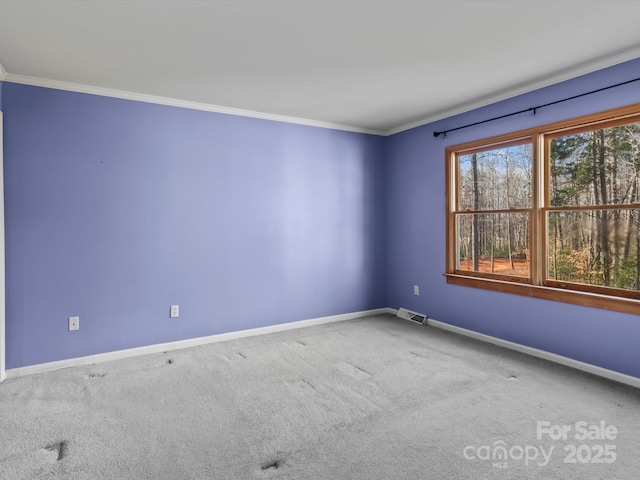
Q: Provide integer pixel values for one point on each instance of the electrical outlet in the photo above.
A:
(74, 323)
(416, 290)
(175, 311)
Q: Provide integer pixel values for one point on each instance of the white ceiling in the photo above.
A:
(378, 66)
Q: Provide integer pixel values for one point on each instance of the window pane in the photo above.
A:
(496, 179)
(596, 247)
(494, 243)
(600, 167)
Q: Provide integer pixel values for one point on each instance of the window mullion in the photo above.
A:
(538, 227)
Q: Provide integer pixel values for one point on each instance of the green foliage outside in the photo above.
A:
(593, 220)
(597, 246)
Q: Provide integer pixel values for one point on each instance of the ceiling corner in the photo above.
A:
(584, 68)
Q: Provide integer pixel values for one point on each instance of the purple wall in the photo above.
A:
(416, 238)
(117, 209)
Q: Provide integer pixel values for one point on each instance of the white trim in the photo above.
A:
(583, 68)
(3, 374)
(180, 344)
(534, 352)
(173, 102)
(193, 342)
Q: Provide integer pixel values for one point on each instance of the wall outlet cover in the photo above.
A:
(74, 323)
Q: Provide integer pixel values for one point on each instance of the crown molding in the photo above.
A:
(174, 102)
(590, 66)
(583, 68)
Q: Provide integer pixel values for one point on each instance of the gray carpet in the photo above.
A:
(374, 398)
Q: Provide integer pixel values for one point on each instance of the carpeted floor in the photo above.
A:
(374, 398)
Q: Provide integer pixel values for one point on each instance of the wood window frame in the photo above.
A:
(537, 285)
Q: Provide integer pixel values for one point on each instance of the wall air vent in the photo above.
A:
(414, 317)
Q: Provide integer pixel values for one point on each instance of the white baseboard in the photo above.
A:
(192, 342)
(534, 352)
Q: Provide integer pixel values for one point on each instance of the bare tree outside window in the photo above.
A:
(495, 196)
(593, 219)
(550, 212)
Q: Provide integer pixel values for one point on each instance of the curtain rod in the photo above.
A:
(532, 109)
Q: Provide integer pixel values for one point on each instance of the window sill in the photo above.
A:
(607, 302)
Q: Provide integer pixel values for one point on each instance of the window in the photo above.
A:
(552, 212)
(494, 210)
